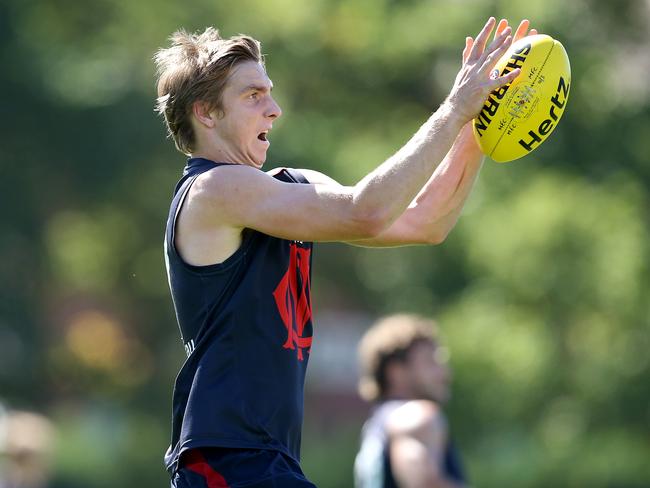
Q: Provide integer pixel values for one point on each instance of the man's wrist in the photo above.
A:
(451, 116)
(467, 141)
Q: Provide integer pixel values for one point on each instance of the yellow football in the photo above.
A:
(518, 117)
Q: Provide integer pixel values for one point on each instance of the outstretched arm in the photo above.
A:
(436, 209)
(237, 197)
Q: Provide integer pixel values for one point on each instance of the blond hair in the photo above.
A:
(389, 339)
(196, 68)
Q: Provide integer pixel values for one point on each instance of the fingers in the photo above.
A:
(496, 48)
(503, 23)
(469, 42)
(504, 80)
(498, 41)
(481, 39)
(522, 30)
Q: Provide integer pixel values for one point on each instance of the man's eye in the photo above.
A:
(254, 96)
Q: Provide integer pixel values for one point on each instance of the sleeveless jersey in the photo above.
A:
(247, 330)
(372, 465)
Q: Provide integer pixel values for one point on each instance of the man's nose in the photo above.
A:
(274, 110)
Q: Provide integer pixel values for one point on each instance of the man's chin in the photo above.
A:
(259, 161)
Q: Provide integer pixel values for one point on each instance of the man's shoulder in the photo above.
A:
(227, 174)
(224, 179)
(241, 173)
(415, 416)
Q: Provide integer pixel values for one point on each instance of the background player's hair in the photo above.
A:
(389, 339)
(196, 68)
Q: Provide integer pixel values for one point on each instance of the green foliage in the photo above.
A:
(541, 290)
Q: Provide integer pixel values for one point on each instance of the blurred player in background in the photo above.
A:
(406, 442)
(26, 449)
(238, 245)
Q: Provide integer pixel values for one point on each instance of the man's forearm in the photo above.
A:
(435, 210)
(441, 201)
(472, 159)
(390, 188)
(382, 196)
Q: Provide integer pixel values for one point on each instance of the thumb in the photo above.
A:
(499, 81)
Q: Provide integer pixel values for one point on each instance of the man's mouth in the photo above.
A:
(262, 136)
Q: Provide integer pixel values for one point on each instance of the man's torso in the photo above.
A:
(246, 325)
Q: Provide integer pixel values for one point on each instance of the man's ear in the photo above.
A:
(204, 114)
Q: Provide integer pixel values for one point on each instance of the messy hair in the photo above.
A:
(389, 339)
(196, 67)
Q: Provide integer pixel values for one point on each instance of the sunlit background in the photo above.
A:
(541, 291)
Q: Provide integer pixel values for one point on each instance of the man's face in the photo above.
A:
(428, 372)
(248, 115)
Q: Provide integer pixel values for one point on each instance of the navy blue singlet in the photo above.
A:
(247, 329)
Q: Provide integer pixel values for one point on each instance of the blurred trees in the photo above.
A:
(541, 290)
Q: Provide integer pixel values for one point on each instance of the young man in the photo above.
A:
(405, 443)
(238, 245)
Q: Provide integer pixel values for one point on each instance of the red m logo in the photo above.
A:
(292, 297)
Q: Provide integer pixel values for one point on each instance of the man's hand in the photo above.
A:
(473, 83)
(466, 135)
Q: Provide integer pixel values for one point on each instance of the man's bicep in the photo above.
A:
(411, 463)
(417, 435)
(245, 197)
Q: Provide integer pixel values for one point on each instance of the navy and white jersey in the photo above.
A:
(246, 327)
(372, 468)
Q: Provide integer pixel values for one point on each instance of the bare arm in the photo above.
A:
(227, 199)
(243, 197)
(418, 440)
(436, 209)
